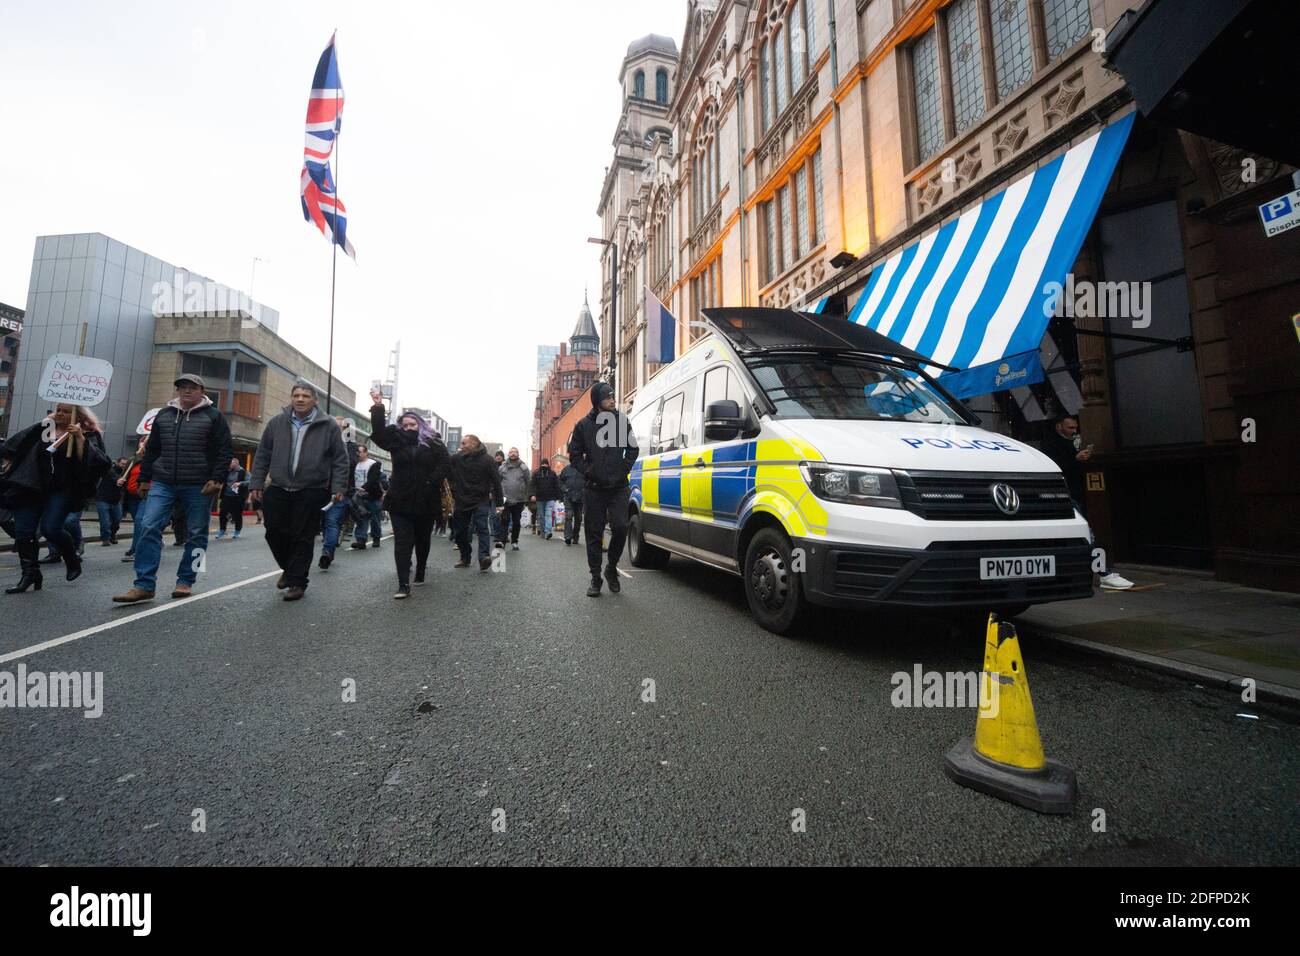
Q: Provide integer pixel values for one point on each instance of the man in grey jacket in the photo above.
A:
(514, 487)
(303, 455)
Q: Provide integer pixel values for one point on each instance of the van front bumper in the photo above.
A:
(946, 574)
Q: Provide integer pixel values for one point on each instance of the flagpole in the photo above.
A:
(334, 265)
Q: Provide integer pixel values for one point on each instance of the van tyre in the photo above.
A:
(641, 554)
(775, 596)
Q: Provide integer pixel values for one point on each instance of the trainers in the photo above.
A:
(593, 589)
(375, 545)
(484, 563)
(106, 544)
(358, 546)
(127, 558)
(1115, 582)
(419, 575)
(294, 594)
(220, 535)
(235, 536)
(182, 591)
(611, 575)
(515, 546)
(133, 595)
(325, 561)
(403, 591)
(462, 563)
(282, 583)
(548, 536)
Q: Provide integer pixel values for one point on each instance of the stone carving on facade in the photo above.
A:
(1062, 101)
(930, 194)
(1226, 166)
(708, 231)
(1009, 137)
(969, 167)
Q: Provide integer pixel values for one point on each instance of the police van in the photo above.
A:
(818, 461)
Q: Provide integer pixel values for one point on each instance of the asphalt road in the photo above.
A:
(512, 699)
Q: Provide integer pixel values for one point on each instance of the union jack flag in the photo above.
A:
(320, 204)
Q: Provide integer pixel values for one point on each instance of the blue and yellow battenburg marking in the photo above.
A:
(736, 479)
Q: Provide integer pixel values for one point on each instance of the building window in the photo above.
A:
(786, 59)
(638, 85)
(706, 293)
(769, 242)
(819, 231)
(706, 166)
(791, 223)
(1012, 52)
(800, 182)
(966, 62)
(779, 78)
(929, 106)
(1004, 47)
(1065, 22)
(661, 86)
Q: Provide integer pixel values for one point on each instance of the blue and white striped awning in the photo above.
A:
(976, 290)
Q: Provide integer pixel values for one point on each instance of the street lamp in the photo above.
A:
(613, 306)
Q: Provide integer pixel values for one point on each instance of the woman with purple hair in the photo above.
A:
(413, 502)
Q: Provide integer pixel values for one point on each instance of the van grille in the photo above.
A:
(961, 496)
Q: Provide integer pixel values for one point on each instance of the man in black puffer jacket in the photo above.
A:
(476, 486)
(184, 461)
(604, 449)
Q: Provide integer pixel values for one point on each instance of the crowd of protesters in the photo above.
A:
(308, 479)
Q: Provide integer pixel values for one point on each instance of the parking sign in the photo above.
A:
(1281, 214)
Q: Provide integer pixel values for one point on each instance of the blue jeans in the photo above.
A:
(545, 515)
(333, 521)
(473, 521)
(498, 532)
(131, 505)
(110, 517)
(154, 515)
(370, 524)
(48, 518)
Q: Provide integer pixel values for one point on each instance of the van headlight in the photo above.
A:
(854, 486)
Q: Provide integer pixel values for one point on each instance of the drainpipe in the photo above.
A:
(740, 180)
(835, 109)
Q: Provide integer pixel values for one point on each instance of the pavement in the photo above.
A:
(501, 718)
(1186, 623)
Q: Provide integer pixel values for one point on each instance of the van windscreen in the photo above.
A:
(849, 387)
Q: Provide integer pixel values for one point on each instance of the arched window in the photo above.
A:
(661, 86)
(706, 165)
(638, 85)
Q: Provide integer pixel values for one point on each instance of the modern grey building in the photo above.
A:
(92, 295)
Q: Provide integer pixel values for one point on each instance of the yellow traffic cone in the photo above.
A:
(1005, 757)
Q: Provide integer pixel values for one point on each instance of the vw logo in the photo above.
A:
(1005, 497)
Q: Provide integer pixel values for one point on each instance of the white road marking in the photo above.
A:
(69, 638)
(624, 573)
(108, 626)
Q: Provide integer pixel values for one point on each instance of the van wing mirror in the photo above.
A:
(723, 420)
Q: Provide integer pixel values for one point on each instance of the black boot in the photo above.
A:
(28, 554)
(71, 557)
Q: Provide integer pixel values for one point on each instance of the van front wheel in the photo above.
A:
(771, 587)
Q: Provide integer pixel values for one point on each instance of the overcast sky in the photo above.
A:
(475, 138)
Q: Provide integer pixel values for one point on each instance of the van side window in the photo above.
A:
(643, 423)
(721, 383)
(670, 436)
